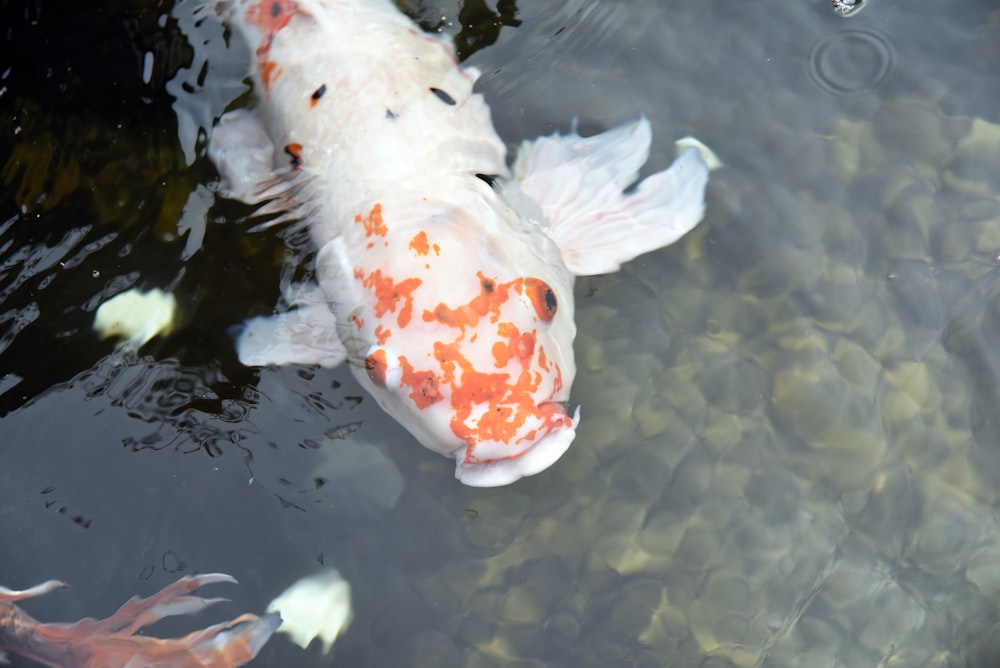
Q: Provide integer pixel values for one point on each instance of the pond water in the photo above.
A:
(789, 450)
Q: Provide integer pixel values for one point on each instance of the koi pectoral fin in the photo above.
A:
(250, 168)
(307, 335)
(244, 155)
(582, 187)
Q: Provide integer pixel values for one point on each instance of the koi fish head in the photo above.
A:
(472, 349)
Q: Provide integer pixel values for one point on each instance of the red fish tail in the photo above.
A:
(92, 643)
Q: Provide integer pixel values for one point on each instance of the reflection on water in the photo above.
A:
(788, 453)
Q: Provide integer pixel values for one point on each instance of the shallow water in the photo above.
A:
(789, 451)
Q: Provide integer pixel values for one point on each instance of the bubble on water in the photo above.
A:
(847, 8)
(852, 61)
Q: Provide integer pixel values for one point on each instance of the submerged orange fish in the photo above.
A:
(111, 643)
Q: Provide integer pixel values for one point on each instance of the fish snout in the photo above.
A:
(529, 460)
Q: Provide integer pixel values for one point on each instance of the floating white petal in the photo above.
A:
(317, 606)
(137, 316)
(709, 157)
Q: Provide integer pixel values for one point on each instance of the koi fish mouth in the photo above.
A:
(531, 460)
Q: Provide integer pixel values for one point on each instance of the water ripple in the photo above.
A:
(852, 61)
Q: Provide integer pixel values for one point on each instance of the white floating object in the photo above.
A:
(317, 606)
(707, 155)
(137, 316)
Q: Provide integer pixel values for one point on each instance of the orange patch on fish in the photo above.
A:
(520, 346)
(388, 293)
(419, 243)
(488, 406)
(508, 405)
(491, 298)
(487, 302)
(423, 384)
(269, 72)
(270, 17)
(544, 363)
(494, 403)
(373, 223)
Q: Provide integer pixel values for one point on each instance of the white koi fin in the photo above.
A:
(245, 157)
(306, 335)
(243, 153)
(578, 181)
(316, 606)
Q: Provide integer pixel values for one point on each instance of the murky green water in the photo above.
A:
(789, 453)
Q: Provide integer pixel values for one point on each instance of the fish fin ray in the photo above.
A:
(243, 153)
(92, 643)
(578, 184)
(31, 592)
(245, 157)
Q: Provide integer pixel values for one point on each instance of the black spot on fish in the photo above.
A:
(319, 92)
(443, 96)
(389, 115)
(276, 9)
(488, 286)
(486, 178)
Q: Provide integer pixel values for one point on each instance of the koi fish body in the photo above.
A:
(450, 292)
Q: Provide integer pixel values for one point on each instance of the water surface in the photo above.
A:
(789, 451)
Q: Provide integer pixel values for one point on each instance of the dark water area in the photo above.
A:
(789, 447)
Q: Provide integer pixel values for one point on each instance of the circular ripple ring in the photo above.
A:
(852, 62)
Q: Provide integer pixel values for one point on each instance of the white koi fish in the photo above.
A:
(451, 293)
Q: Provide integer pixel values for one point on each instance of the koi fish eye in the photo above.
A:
(541, 297)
